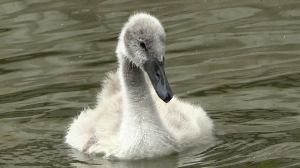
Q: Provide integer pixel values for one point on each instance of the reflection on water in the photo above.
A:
(239, 59)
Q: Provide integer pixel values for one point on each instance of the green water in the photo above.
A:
(239, 59)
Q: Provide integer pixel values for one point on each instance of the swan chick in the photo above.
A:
(136, 115)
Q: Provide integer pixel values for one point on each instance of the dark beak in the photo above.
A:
(156, 73)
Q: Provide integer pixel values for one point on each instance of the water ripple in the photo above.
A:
(238, 59)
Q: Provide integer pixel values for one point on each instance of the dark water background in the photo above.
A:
(239, 59)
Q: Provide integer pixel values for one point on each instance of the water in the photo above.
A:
(239, 59)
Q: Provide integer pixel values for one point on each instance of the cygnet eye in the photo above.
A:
(143, 45)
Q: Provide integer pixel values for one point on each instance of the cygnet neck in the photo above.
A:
(138, 106)
(134, 81)
(141, 129)
(136, 92)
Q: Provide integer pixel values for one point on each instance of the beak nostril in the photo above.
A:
(157, 75)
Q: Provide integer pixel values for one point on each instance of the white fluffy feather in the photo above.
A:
(119, 127)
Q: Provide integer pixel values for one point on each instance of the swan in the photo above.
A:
(136, 115)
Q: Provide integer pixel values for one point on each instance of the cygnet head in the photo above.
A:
(142, 41)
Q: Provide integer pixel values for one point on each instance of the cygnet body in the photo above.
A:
(136, 115)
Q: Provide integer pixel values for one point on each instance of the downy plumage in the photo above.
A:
(136, 115)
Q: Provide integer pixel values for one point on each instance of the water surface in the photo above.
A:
(239, 59)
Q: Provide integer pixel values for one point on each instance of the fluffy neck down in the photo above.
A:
(142, 133)
(139, 109)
